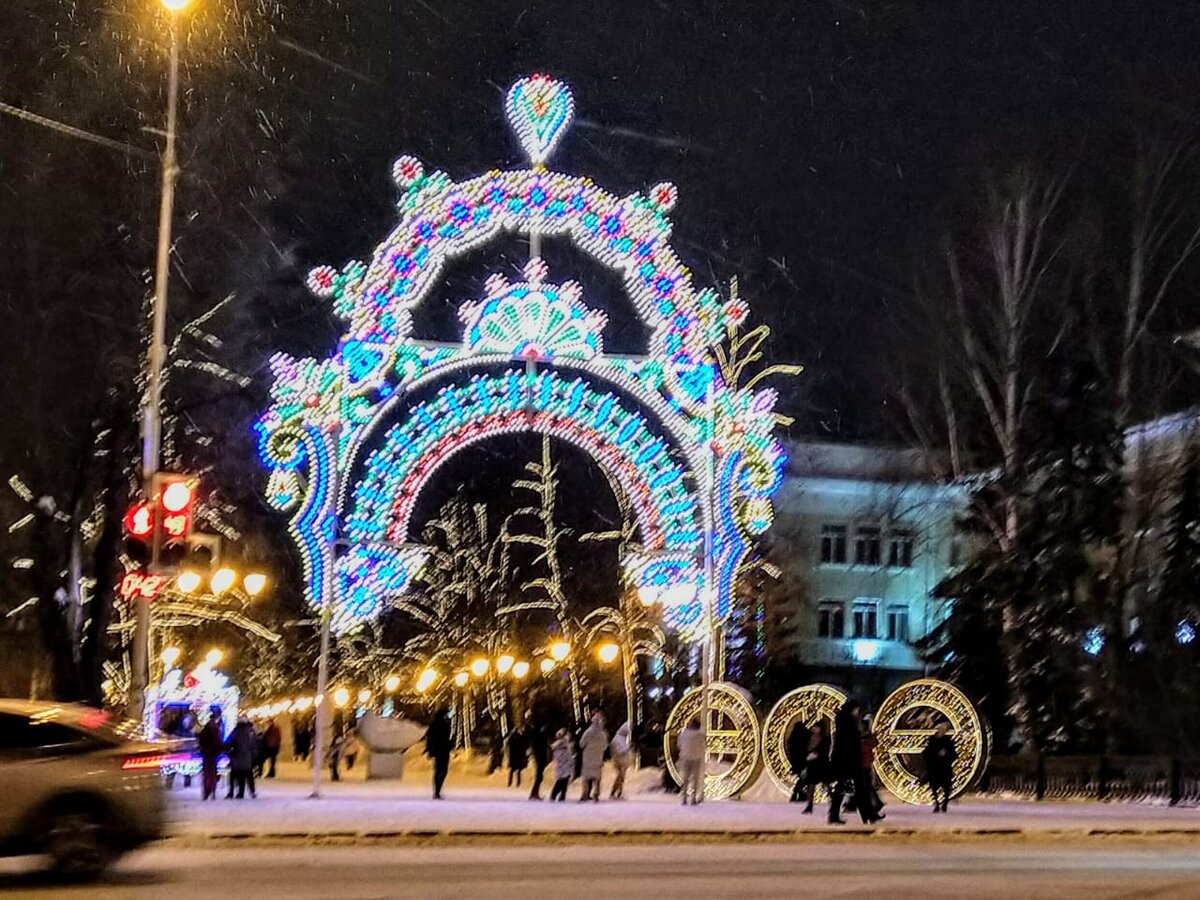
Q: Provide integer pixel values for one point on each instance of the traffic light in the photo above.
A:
(140, 527)
(173, 497)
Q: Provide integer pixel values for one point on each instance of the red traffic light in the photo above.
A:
(139, 521)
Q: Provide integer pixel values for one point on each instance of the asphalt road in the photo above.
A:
(852, 868)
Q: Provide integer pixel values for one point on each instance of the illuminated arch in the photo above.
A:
(334, 416)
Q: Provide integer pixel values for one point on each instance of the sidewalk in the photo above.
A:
(479, 806)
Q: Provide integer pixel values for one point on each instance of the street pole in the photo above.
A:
(151, 411)
(708, 654)
(321, 715)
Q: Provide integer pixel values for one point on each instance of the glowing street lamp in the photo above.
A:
(213, 657)
(504, 662)
(428, 679)
(364, 696)
(176, 5)
(461, 679)
(223, 580)
(187, 582)
(392, 684)
(560, 650)
(254, 583)
(341, 697)
(479, 667)
(547, 666)
(608, 652)
(302, 704)
(170, 656)
(520, 669)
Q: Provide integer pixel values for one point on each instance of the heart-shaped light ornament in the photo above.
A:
(540, 110)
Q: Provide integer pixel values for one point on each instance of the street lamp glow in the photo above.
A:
(187, 581)
(560, 650)
(461, 679)
(504, 662)
(213, 657)
(479, 667)
(392, 684)
(364, 696)
(520, 669)
(608, 652)
(547, 666)
(223, 580)
(176, 5)
(302, 704)
(170, 656)
(428, 679)
(341, 697)
(254, 583)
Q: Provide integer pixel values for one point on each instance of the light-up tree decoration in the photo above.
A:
(350, 449)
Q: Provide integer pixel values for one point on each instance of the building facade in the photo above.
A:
(862, 537)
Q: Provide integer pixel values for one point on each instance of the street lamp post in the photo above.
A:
(151, 412)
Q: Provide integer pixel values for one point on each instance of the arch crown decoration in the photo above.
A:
(644, 419)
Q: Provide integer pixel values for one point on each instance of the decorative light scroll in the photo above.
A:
(804, 706)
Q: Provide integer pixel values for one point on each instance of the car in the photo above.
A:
(79, 786)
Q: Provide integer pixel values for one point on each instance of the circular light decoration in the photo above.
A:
(733, 738)
(804, 706)
(349, 451)
(906, 720)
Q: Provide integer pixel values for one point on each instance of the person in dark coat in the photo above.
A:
(438, 743)
(211, 744)
(518, 755)
(303, 738)
(539, 748)
(241, 747)
(816, 765)
(846, 768)
(939, 755)
(796, 749)
(272, 739)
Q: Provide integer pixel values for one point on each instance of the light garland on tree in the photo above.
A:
(643, 420)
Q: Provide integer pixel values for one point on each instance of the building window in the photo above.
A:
(831, 619)
(897, 623)
(833, 543)
(955, 556)
(866, 545)
(900, 549)
(865, 618)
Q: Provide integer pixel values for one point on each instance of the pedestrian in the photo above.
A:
(621, 751)
(518, 755)
(211, 744)
(693, 748)
(563, 752)
(333, 756)
(816, 764)
(939, 755)
(438, 743)
(303, 740)
(592, 746)
(272, 740)
(846, 766)
(869, 743)
(796, 751)
(351, 747)
(240, 748)
(539, 748)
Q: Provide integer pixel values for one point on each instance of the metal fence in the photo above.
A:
(1127, 778)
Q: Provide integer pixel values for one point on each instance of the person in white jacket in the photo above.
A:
(621, 750)
(592, 745)
(692, 750)
(563, 753)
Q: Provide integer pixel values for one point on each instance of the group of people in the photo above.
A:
(250, 753)
(843, 763)
(579, 755)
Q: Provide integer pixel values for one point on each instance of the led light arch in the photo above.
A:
(643, 419)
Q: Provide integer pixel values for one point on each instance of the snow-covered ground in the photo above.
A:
(476, 803)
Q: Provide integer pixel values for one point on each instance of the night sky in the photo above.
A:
(820, 149)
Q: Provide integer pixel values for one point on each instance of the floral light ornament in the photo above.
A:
(353, 440)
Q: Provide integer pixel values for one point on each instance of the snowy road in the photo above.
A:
(895, 870)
